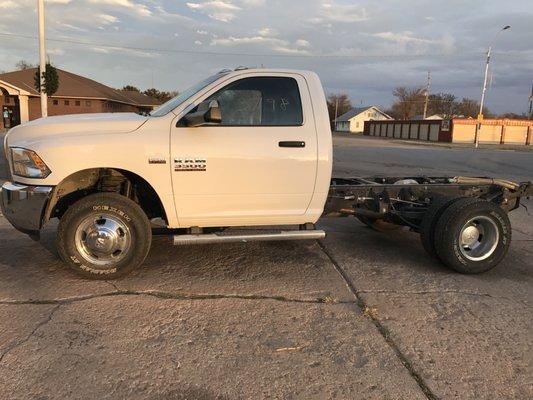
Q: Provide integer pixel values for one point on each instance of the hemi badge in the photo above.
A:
(157, 160)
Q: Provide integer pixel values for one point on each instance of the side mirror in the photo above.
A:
(207, 112)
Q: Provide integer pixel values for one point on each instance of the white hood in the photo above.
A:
(63, 125)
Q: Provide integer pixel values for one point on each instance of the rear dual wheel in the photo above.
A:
(468, 235)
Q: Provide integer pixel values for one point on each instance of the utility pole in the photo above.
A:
(336, 110)
(427, 95)
(480, 114)
(42, 58)
(530, 115)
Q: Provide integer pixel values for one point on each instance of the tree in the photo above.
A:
(408, 102)
(23, 64)
(512, 115)
(51, 80)
(340, 102)
(130, 88)
(470, 108)
(444, 104)
(159, 95)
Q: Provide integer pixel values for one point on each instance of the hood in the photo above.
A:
(85, 124)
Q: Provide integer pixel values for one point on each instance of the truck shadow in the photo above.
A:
(265, 266)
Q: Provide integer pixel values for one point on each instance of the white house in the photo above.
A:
(354, 120)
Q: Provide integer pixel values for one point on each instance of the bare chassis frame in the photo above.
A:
(405, 200)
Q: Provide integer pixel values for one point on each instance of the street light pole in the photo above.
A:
(42, 58)
(481, 103)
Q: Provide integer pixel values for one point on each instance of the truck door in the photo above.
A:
(258, 166)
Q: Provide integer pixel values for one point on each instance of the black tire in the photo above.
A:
(427, 228)
(114, 210)
(378, 225)
(491, 225)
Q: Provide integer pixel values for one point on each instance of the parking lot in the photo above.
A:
(359, 314)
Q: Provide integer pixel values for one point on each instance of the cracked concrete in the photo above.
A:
(360, 315)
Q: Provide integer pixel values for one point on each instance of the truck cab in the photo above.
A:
(249, 147)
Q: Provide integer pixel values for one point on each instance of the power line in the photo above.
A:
(216, 53)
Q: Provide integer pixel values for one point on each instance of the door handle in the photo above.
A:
(292, 144)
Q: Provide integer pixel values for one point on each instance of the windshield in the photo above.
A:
(170, 105)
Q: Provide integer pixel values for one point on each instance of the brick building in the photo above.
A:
(20, 102)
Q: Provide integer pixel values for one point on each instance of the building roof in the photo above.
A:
(76, 86)
(140, 98)
(355, 112)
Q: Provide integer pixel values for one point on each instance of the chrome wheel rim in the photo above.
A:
(479, 238)
(103, 239)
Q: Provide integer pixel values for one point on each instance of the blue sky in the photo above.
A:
(363, 48)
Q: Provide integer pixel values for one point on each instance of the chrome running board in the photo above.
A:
(181, 240)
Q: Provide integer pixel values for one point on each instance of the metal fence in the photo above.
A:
(427, 130)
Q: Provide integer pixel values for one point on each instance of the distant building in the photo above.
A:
(354, 120)
(436, 117)
(20, 102)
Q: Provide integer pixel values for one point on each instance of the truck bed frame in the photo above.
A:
(405, 200)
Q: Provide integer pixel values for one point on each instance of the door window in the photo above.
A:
(260, 101)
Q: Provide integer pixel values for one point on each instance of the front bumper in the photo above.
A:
(24, 206)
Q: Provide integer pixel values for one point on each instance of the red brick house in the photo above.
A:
(20, 102)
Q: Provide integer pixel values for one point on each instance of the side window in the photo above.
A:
(261, 101)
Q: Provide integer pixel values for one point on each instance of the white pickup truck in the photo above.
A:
(243, 148)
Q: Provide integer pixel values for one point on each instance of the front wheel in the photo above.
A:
(104, 236)
(472, 235)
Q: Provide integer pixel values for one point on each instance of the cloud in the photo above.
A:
(343, 13)
(267, 32)
(361, 47)
(8, 4)
(219, 10)
(302, 43)
(401, 37)
(55, 51)
(137, 8)
(270, 43)
(107, 19)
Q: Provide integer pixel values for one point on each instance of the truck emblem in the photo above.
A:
(190, 164)
(157, 160)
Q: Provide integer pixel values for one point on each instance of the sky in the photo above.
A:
(362, 48)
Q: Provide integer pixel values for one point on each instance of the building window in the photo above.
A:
(67, 102)
(8, 100)
(88, 103)
(78, 103)
(55, 102)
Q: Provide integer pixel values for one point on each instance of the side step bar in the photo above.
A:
(181, 240)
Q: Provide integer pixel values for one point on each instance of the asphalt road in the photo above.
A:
(357, 315)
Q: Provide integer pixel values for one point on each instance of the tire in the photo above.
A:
(430, 220)
(378, 225)
(472, 236)
(104, 236)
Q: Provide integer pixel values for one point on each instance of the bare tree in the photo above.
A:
(408, 102)
(339, 101)
(470, 108)
(23, 64)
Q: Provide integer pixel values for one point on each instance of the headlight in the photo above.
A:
(28, 164)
